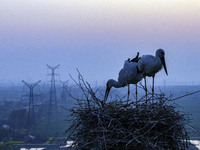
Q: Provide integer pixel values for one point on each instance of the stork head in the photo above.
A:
(109, 85)
(161, 54)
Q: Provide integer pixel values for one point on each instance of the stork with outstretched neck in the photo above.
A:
(149, 65)
(127, 75)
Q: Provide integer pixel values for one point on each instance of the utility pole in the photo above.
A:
(63, 95)
(31, 112)
(52, 100)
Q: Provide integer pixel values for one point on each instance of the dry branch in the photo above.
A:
(116, 125)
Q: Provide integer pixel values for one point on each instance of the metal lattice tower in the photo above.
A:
(52, 100)
(31, 112)
(63, 94)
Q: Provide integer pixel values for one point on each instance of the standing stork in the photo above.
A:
(149, 65)
(127, 75)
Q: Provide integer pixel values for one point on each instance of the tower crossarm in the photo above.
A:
(53, 68)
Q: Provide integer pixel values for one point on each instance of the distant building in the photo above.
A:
(5, 126)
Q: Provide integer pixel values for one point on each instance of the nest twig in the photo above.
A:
(114, 125)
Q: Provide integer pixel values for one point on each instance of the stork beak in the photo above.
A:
(107, 93)
(164, 65)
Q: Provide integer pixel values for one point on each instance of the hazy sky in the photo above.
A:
(96, 36)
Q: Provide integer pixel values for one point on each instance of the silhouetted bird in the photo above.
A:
(149, 65)
(127, 75)
(136, 59)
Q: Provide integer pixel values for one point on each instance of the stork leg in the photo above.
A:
(153, 88)
(136, 95)
(145, 88)
(128, 93)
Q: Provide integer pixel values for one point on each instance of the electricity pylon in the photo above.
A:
(31, 112)
(52, 100)
(63, 94)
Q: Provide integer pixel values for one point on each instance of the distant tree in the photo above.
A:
(4, 132)
(18, 119)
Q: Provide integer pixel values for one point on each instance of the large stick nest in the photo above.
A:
(97, 124)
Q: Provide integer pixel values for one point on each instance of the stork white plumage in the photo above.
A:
(149, 65)
(127, 75)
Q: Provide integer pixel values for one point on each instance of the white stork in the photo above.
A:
(127, 75)
(149, 65)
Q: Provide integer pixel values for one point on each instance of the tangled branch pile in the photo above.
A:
(115, 125)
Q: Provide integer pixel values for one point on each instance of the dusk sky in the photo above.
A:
(97, 36)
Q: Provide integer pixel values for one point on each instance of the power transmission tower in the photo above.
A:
(31, 112)
(52, 100)
(63, 94)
